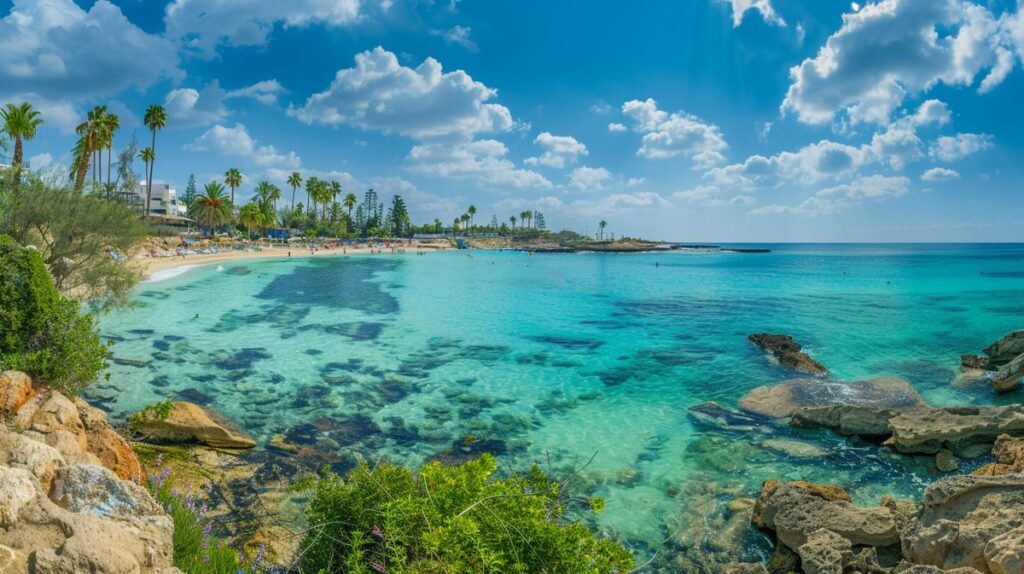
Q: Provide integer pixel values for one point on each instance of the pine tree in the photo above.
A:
(538, 219)
(397, 216)
(494, 222)
(190, 190)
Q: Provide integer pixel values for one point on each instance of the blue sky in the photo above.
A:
(690, 120)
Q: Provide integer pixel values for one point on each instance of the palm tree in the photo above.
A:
(111, 123)
(472, 212)
(294, 180)
(513, 220)
(233, 179)
(147, 155)
(349, 202)
(311, 184)
(155, 119)
(523, 217)
(601, 226)
(85, 147)
(335, 191)
(437, 225)
(20, 123)
(213, 208)
(96, 119)
(268, 193)
(250, 215)
(322, 195)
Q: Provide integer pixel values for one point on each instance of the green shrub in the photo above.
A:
(41, 332)
(449, 519)
(160, 411)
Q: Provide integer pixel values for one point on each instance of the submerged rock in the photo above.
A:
(189, 422)
(794, 448)
(787, 397)
(788, 352)
(714, 415)
(975, 362)
(970, 521)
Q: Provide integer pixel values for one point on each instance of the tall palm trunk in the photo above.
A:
(293, 198)
(149, 180)
(17, 151)
(110, 151)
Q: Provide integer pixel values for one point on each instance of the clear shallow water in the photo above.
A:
(559, 358)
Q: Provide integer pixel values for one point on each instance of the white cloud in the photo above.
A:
(202, 25)
(670, 135)
(639, 199)
(711, 195)
(952, 148)
(381, 94)
(237, 142)
(53, 51)
(939, 174)
(460, 35)
(548, 202)
(635, 181)
(893, 48)
(617, 127)
(764, 7)
(810, 164)
(841, 197)
(482, 161)
(559, 151)
(188, 107)
(589, 178)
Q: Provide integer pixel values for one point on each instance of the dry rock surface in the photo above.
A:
(189, 422)
(66, 502)
(1005, 358)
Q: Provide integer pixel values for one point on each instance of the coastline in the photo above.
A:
(155, 269)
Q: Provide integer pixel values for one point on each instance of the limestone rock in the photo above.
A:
(787, 397)
(189, 422)
(741, 568)
(43, 461)
(788, 352)
(714, 415)
(825, 552)
(1009, 453)
(16, 490)
(58, 413)
(795, 510)
(15, 391)
(95, 490)
(975, 362)
(1006, 349)
(946, 461)
(966, 431)
(847, 420)
(1008, 376)
(110, 448)
(970, 521)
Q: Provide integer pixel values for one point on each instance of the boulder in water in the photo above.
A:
(788, 352)
(1008, 376)
(787, 397)
(1009, 453)
(1006, 349)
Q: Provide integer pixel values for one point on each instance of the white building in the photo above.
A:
(164, 201)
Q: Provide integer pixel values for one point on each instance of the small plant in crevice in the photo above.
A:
(196, 549)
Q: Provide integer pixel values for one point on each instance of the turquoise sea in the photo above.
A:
(569, 361)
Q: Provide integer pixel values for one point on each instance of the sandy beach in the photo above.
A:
(160, 268)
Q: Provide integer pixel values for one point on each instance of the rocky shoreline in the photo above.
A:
(965, 524)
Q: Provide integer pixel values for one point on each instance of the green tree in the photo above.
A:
(89, 137)
(233, 179)
(601, 225)
(451, 519)
(44, 333)
(512, 220)
(294, 180)
(250, 216)
(109, 125)
(147, 155)
(312, 184)
(399, 216)
(472, 214)
(213, 208)
(155, 119)
(190, 190)
(21, 123)
(349, 202)
(76, 235)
